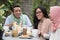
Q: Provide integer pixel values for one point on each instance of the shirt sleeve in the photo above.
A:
(28, 22)
(5, 27)
(7, 21)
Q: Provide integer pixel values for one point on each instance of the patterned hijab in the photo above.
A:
(55, 16)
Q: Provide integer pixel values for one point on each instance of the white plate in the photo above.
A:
(29, 37)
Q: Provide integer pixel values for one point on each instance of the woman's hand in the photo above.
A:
(45, 35)
(40, 34)
(54, 30)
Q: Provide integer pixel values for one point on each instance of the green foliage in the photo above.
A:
(4, 8)
(1, 22)
(1, 19)
(44, 3)
(1, 28)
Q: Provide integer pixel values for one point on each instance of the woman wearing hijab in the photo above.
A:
(55, 17)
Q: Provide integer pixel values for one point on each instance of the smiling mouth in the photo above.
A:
(17, 14)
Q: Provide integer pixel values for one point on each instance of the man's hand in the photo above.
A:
(10, 25)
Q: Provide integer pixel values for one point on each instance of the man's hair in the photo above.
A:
(13, 6)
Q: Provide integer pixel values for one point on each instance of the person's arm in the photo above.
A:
(46, 31)
(47, 35)
(28, 22)
(7, 23)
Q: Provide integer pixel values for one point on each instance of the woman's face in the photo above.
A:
(39, 14)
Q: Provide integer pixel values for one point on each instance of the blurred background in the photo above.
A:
(27, 6)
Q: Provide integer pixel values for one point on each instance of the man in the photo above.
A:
(17, 16)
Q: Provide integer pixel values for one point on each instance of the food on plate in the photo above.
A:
(24, 36)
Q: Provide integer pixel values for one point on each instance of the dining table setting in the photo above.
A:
(20, 33)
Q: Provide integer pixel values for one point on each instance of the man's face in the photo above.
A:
(17, 12)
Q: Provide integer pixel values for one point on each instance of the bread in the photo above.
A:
(25, 36)
(6, 33)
